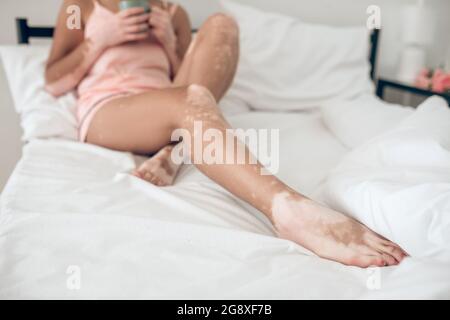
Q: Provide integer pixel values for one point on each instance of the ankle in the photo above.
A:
(288, 207)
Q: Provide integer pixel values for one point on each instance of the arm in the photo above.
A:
(73, 54)
(172, 27)
(183, 31)
(70, 57)
(64, 75)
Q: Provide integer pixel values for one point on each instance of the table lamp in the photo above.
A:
(416, 35)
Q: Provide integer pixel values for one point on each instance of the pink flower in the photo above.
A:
(446, 82)
(425, 72)
(438, 72)
(440, 81)
(422, 81)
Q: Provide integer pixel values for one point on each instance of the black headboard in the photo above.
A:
(374, 41)
(25, 32)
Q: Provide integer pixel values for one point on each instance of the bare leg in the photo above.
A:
(159, 169)
(146, 123)
(211, 61)
(212, 58)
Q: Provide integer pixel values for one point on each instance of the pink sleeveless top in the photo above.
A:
(129, 68)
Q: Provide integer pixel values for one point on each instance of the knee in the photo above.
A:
(198, 96)
(222, 20)
(222, 26)
(200, 105)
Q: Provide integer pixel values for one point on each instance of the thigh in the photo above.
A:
(212, 57)
(141, 123)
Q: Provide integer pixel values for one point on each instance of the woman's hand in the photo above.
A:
(124, 26)
(162, 27)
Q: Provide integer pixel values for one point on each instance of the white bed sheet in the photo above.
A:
(70, 204)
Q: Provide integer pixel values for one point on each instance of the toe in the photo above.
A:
(405, 254)
(369, 261)
(393, 251)
(136, 173)
(392, 244)
(389, 260)
(387, 247)
(149, 177)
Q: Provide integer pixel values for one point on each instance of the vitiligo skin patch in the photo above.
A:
(331, 234)
(159, 170)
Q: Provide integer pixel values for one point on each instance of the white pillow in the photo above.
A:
(42, 115)
(358, 120)
(287, 64)
(398, 184)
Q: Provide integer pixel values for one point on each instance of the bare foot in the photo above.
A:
(330, 234)
(158, 170)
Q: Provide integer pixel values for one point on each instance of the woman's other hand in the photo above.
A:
(116, 29)
(161, 23)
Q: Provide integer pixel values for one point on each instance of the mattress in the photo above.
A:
(72, 210)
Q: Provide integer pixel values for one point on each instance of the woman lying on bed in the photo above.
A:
(139, 77)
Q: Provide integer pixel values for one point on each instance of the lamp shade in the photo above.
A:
(412, 60)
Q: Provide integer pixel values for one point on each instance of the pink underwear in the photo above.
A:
(86, 121)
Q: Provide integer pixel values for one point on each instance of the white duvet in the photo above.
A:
(398, 183)
(74, 224)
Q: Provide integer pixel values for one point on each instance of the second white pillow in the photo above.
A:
(42, 116)
(290, 65)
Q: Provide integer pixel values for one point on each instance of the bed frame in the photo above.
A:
(25, 32)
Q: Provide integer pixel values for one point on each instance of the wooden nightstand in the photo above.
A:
(385, 83)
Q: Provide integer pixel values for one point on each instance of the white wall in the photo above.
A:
(341, 12)
(10, 132)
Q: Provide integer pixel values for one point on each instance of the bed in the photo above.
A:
(75, 225)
